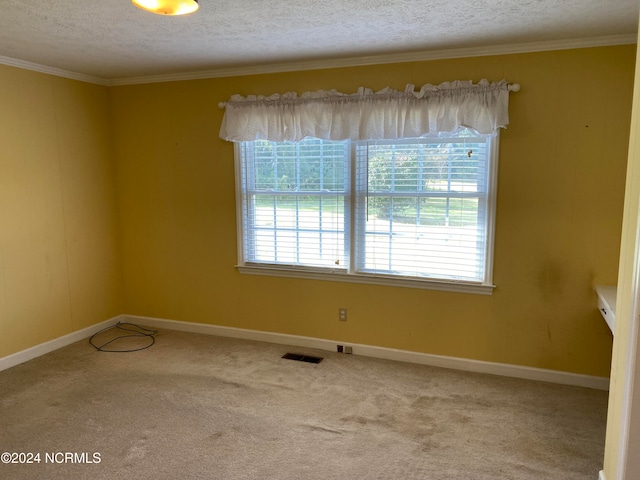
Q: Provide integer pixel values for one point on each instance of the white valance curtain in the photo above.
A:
(368, 115)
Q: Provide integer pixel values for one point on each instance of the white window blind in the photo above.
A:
(414, 209)
(294, 199)
(424, 204)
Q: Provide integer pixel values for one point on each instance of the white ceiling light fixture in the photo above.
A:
(167, 7)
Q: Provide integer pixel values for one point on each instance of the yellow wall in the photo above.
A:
(560, 197)
(560, 203)
(59, 260)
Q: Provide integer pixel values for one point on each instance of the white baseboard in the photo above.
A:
(507, 370)
(601, 476)
(39, 350)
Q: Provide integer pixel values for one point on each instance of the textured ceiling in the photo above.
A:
(112, 39)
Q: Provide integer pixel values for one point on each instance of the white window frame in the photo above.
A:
(349, 274)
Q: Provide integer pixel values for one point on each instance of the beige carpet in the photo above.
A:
(201, 407)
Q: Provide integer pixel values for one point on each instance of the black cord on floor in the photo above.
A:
(140, 332)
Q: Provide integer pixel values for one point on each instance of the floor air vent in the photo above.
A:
(302, 358)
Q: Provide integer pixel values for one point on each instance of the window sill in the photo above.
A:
(340, 276)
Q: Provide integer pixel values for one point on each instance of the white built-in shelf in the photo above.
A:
(607, 304)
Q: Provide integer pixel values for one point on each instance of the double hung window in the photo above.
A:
(411, 211)
(295, 202)
(383, 187)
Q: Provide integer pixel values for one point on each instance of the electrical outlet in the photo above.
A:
(342, 314)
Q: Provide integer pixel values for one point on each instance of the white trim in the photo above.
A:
(601, 476)
(507, 370)
(237, 156)
(47, 347)
(492, 203)
(58, 72)
(629, 401)
(570, 44)
(385, 280)
(589, 42)
(477, 366)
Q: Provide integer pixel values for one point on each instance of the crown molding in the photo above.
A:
(506, 49)
(58, 72)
